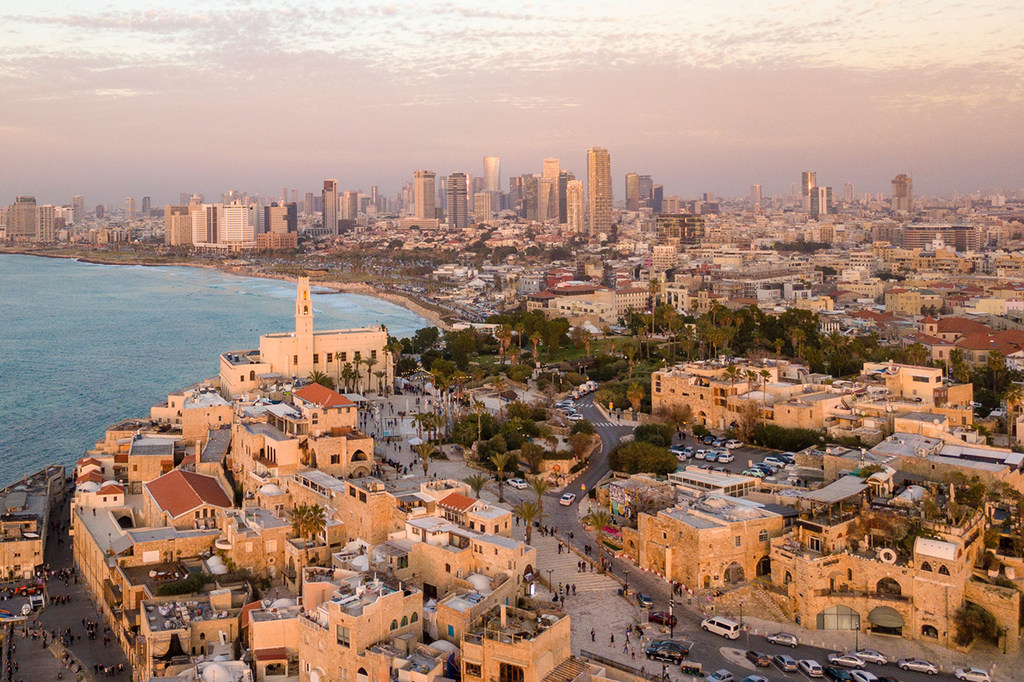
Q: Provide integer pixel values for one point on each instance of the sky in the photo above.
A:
(118, 99)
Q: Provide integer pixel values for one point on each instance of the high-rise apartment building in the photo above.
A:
(902, 193)
(646, 187)
(78, 209)
(492, 174)
(657, 197)
(46, 219)
(425, 195)
(458, 210)
(482, 206)
(308, 206)
(563, 183)
(632, 191)
(574, 207)
(281, 218)
(235, 227)
(599, 190)
(22, 217)
(848, 192)
(100, 211)
(183, 198)
(129, 208)
(330, 206)
(551, 169)
(531, 197)
(177, 225)
(349, 205)
(808, 181)
(679, 228)
(755, 198)
(205, 223)
(147, 204)
(516, 192)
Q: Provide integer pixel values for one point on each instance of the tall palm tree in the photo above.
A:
(1012, 397)
(381, 386)
(765, 376)
(732, 373)
(502, 461)
(528, 512)
(479, 408)
(421, 419)
(653, 288)
(319, 377)
(540, 487)
(369, 362)
(629, 350)
(535, 339)
(476, 482)
(598, 519)
(425, 451)
(499, 386)
(635, 396)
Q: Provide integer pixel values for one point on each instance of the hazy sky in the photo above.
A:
(117, 99)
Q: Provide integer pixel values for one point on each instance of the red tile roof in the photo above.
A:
(458, 501)
(323, 396)
(275, 653)
(961, 325)
(110, 488)
(179, 492)
(94, 476)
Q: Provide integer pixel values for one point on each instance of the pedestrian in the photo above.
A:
(611, 639)
(593, 635)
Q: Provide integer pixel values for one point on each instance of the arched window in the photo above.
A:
(943, 570)
(788, 578)
(838, 617)
(447, 568)
(925, 566)
(888, 586)
(929, 631)
(405, 621)
(394, 625)
(414, 617)
(252, 375)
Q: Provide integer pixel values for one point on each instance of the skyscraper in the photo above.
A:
(78, 209)
(425, 195)
(563, 183)
(755, 198)
(281, 218)
(482, 206)
(531, 197)
(551, 168)
(234, 226)
(492, 174)
(330, 206)
(632, 191)
(458, 211)
(177, 225)
(820, 201)
(516, 192)
(599, 190)
(574, 206)
(146, 206)
(46, 218)
(129, 208)
(902, 193)
(349, 205)
(848, 192)
(808, 181)
(307, 206)
(657, 196)
(646, 187)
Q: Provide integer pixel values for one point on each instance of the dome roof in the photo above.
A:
(282, 603)
(89, 487)
(480, 582)
(215, 672)
(271, 489)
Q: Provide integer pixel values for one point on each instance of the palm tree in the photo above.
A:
(502, 461)
(629, 350)
(499, 386)
(381, 387)
(540, 487)
(732, 373)
(319, 377)
(535, 339)
(528, 512)
(653, 288)
(369, 362)
(765, 376)
(598, 519)
(476, 482)
(425, 451)
(479, 408)
(797, 336)
(1012, 397)
(348, 375)
(635, 396)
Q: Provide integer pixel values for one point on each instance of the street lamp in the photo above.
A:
(625, 582)
(671, 617)
(741, 614)
(550, 586)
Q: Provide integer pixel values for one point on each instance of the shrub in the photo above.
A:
(577, 466)
(582, 426)
(519, 373)
(699, 431)
(640, 457)
(189, 585)
(780, 438)
(970, 620)
(558, 454)
(656, 434)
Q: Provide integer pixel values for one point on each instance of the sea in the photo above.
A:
(83, 346)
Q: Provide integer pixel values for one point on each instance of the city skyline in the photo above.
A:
(103, 99)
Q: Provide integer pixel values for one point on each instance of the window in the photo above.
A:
(351, 491)
(330, 357)
(762, 536)
(925, 566)
(472, 670)
(316, 358)
(943, 570)
(814, 544)
(394, 625)
(335, 459)
(362, 497)
(357, 355)
(738, 541)
(447, 568)
(510, 673)
(373, 354)
(405, 621)
(295, 359)
(403, 562)
(344, 636)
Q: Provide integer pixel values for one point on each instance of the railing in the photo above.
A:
(864, 594)
(309, 621)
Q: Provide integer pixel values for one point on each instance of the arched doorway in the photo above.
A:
(885, 620)
(734, 573)
(838, 617)
(930, 631)
(764, 567)
(317, 675)
(888, 586)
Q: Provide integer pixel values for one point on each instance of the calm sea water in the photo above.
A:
(83, 346)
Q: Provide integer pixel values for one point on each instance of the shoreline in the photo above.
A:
(433, 317)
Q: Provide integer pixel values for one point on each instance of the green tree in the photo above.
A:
(425, 451)
(476, 482)
(528, 512)
(502, 461)
(597, 519)
(540, 487)
(639, 457)
(319, 377)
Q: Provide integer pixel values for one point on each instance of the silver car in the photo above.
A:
(784, 639)
(972, 675)
(786, 664)
(917, 665)
(872, 656)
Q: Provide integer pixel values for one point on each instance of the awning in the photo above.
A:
(886, 617)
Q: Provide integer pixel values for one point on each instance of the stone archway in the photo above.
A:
(734, 574)
(764, 567)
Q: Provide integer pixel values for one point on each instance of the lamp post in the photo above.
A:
(741, 614)
(671, 617)
(625, 582)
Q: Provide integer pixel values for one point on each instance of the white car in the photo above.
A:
(518, 483)
(725, 458)
(577, 417)
(783, 639)
(917, 665)
(872, 656)
(566, 499)
(846, 660)
(810, 667)
(863, 676)
(733, 444)
(972, 675)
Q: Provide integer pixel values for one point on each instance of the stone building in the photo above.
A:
(515, 645)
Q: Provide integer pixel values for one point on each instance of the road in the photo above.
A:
(712, 651)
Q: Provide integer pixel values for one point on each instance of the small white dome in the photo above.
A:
(361, 562)
(481, 583)
(215, 672)
(271, 489)
(282, 603)
(89, 487)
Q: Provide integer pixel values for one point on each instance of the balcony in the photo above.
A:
(863, 594)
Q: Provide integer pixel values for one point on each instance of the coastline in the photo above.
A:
(434, 317)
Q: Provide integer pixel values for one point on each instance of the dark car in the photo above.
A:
(708, 439)
(668, 650)
(837, 674)
(663, 617)
(760, 659)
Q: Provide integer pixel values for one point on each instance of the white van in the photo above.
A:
(729, 629)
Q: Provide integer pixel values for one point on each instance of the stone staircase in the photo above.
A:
(563, 566)
(757, 601)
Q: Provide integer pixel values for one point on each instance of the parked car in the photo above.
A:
(786, 664)
(518, 483)
(784, 639)
(810, 667)
(972, 675)
(575, 417)
(711, 456)
(774, 461)
(917, 665)
(644, 600)
(732, 444)
(754, 678)
(719, 676)
(863, 676)
(668, 650)
(688, 451)
(663, 617)
(756, 473)
(872, 656)
(708, 439)
(846, 660)
(729, 629)
(700, 453)
(677, 450)
(787, 457)
(726, 457)
(837, 674)
(566, 499)
(759, 659)
(720, 442)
